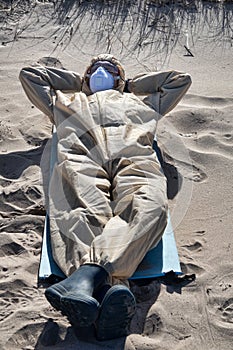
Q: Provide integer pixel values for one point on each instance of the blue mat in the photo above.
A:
(157, 262)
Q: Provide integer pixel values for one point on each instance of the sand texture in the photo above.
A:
(197, 141)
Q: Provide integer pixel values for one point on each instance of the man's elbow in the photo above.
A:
(23, 74)
(184, 83)
(188, 79)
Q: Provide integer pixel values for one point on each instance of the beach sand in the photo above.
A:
(197, 140)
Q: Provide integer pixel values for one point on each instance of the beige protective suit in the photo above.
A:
(108, 202)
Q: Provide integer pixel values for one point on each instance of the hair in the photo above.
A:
(104, 57)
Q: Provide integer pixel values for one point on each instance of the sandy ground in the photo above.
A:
(198, 315)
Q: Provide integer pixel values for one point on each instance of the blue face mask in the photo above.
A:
(101, 80)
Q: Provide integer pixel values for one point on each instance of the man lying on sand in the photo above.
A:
(108, 203)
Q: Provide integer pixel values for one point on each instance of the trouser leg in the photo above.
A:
(139, 216)
(79, 210)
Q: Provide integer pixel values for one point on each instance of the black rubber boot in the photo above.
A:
(116, 313)
(74, 295)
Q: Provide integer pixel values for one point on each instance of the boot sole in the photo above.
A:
(54, 298)
(81, 310)
(116, 312)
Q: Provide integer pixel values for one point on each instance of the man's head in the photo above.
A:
(105, 72)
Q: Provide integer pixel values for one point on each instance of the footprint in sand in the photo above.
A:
(5, 309)
(195, 246)
(5, 131)
(191, 172)
(153, 325)
(197, 174)
(189, 251)
(190, 268)
(24, 199)
(11, 248)
(220, 303)
(10, 305)
(227, 310)
(25, 337)
(50, 62)
(215, 143)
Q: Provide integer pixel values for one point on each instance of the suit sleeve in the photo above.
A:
(40, 85)
(163, 90)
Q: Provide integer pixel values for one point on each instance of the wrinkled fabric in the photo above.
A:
(108, 202)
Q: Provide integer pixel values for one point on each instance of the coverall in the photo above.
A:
(108, 202)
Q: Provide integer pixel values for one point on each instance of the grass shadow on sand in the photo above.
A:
(139, 28)
(143, 28)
